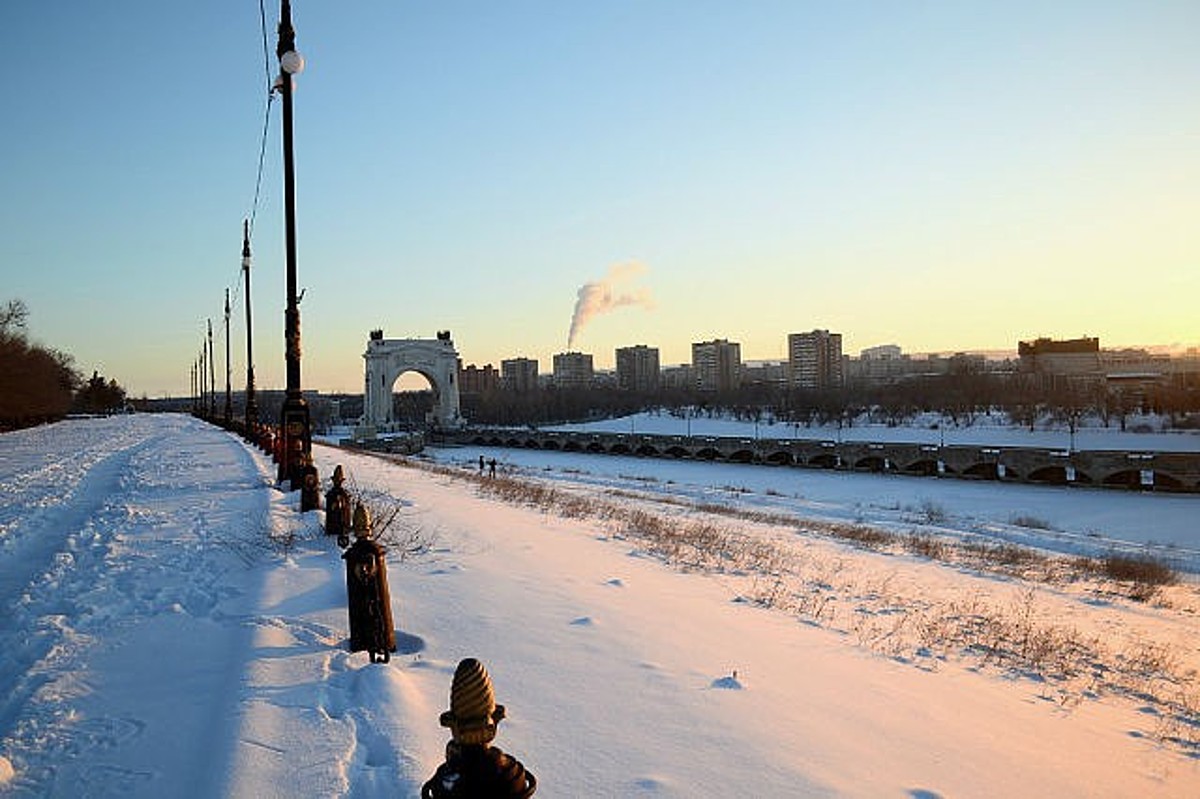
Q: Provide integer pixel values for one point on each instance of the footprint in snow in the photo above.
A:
(650, 785)
(408, 644)
(443, 666)
(583, 621)
(728, 683)
(615, 582)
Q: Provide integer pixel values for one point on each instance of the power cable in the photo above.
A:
(262, 146)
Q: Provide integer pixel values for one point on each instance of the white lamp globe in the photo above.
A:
(292, 62)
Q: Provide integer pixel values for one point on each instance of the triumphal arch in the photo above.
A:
(434, 359)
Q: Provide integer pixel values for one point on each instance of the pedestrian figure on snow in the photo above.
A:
(337, 509)
(492, 468)
(367, 597)
(473, 768)
(481, 466)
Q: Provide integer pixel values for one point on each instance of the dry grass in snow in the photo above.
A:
(1117, 629)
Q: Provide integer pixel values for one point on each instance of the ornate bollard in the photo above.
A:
(472, 767)
(310, 486)
(291, 453)
(367, 596)
(337, 509)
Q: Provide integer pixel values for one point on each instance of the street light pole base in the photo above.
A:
(296, 429)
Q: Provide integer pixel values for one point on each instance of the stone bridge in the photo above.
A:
(1159, 471)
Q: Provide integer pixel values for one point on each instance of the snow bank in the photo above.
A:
(174, 626)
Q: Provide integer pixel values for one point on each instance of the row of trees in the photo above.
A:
(960, 398)
(39, 384)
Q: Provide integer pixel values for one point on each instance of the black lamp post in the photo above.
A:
(213, 378)
(296, 423)
(251, 405)
(203, 378)
(228, 388)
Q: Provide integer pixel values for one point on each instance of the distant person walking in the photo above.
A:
(492, 468)
(481, 466)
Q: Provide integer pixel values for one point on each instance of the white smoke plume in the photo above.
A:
(607, 294)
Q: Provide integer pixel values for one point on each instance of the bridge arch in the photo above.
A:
(871, 463)
(1058, 475)
(926, 466)
(434, 359)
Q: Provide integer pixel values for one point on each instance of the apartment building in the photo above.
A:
(637, 368)
(717, 365)
(519, 374)
(815, 360)
(573, 370)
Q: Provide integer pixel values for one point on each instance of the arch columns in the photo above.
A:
(435, 359)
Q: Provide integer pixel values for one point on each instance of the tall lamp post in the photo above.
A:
(228, 388)
(251, 405)
(200, 384)
(296, 423)
(201, 410)
(212, 377)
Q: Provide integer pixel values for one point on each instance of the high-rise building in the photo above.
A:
(519, 374)
(637, 368)
(573, 370)
(815, 359)
(677, 377)
(717, 365)
(474, 379)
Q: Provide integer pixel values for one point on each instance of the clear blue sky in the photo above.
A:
(939, 175)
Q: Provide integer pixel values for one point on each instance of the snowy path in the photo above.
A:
(113, 574)
(172, 626)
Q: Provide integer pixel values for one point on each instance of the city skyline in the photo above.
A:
(537, 178)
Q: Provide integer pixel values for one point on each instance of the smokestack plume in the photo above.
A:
(607, 294)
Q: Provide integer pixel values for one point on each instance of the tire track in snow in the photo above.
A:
(141, 541)
(54, 545)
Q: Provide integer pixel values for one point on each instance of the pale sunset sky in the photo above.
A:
(939, 175)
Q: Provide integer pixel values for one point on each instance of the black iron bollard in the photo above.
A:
(473, 767)
(310, 486)
(367, 597)
(337, 509)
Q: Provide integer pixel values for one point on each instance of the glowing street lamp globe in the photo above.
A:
(292, 62)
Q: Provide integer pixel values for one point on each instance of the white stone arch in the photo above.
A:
(434, 359)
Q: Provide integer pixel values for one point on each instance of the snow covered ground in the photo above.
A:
(1070, 520)
(173, 626)
(1142, 433)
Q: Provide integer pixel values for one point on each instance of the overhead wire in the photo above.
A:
(237, 282)
(262, 146)
(262, 16)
